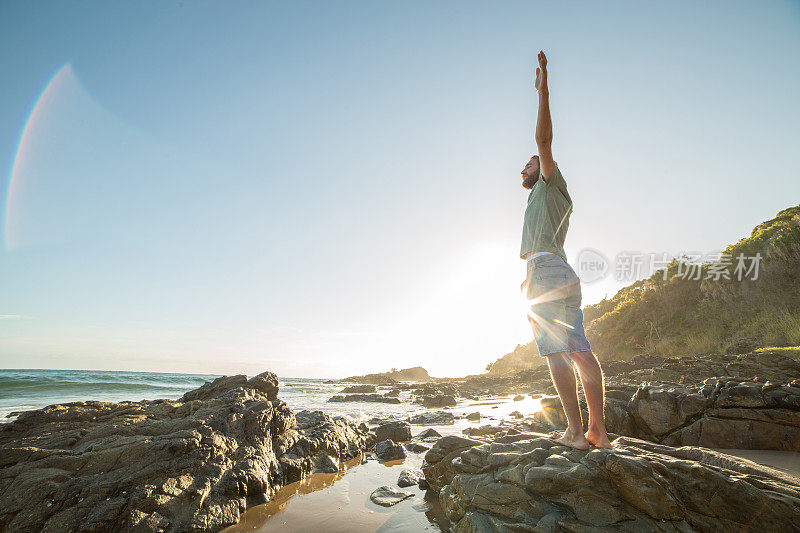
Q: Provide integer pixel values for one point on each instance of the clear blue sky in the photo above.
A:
(330, 188)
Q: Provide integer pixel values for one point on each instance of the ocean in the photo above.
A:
(23, 390)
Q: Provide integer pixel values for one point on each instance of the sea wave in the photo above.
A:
(42, 381)
(22, 390)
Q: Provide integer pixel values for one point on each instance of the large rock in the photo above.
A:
(438, 468)
(194, 464)
(416, 373)
(266, 383)
(484, 430)
(359, 389)
(415, 447)
(433, 418)
(429, 433)
(661, 409)
(373, 398)
(718, 413)
(530, 483)
(397, 431)
(438, 400)
(722, 413)
(754, 429)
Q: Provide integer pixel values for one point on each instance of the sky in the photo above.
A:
(324, 189)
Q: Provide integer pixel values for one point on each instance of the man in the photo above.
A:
(553, 289)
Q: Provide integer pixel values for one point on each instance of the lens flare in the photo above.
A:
(37, 111)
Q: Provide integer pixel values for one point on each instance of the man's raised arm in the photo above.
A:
(544, 126)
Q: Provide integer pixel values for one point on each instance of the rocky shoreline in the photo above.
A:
(660, 476)
(189, 465)
(197, 463)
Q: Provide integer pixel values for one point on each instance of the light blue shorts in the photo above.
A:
(554, 294)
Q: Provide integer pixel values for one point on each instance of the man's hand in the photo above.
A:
(541, 74)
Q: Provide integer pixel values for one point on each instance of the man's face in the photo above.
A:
(530, 173)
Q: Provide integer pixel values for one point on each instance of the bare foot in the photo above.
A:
(571, 439)
(598, 438)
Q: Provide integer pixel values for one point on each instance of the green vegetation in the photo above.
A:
(524, 357)
(668, 315)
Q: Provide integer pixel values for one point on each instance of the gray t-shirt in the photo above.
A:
(547, 216)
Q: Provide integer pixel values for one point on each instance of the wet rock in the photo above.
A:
(486, 429)
(662, 408)
(436, 389)
(438, 467)
(721, 412)
(409, 478)
(433, 418)
(519, 397)
(534, 484)
(392, 377)
(387, 496)
(378, 421)
(266, 383)
(516, 414)
(359, 389)
(438, 400)
(427, 434)
(416, 447)
(216, 387)
(552, 413)
(394, 393)
(746, 394)
(148, 465)
(474, 416)
(388, 450)
(397, 431)
(326, 464)
(373, 398)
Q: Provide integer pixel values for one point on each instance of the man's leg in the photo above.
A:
(594, 389)
(564, 380)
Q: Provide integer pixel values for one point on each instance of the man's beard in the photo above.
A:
(530, 181)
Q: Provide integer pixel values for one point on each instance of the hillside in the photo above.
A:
(524, 357)
(675, 316)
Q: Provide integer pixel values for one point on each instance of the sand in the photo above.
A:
(786, 461)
